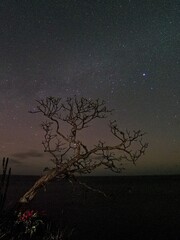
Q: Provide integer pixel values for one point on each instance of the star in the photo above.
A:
(93, 49)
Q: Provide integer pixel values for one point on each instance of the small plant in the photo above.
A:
(4, 182)
(28, 223)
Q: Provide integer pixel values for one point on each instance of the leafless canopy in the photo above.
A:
(69, 153)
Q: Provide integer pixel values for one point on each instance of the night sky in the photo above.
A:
(126, 52)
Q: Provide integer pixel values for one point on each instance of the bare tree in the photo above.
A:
(70, 155)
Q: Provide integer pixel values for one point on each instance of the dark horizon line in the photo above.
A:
(140, 175)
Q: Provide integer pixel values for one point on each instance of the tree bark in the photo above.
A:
(30, 194)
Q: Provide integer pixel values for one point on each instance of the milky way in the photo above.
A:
(125, 52)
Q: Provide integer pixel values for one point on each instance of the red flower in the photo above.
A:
(26, 215)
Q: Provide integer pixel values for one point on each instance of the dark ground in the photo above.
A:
(138, 208)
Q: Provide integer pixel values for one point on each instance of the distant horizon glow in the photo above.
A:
(122, 52)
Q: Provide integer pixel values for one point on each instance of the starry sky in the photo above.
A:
(126, 52)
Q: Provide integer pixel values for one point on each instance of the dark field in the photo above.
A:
(138, 207)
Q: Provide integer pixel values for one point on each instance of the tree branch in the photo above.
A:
(69, 153)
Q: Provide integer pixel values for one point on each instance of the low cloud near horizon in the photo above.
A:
(15, 161)
(28, 154)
